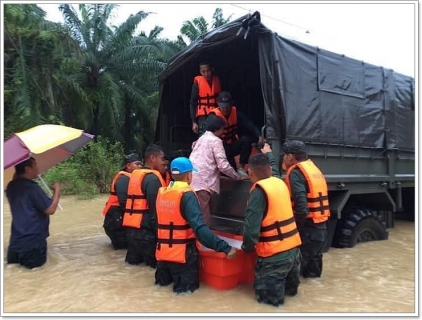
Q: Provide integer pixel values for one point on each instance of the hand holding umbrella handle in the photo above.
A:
(48, 190)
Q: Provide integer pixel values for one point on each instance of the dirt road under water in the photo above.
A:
(84, 274)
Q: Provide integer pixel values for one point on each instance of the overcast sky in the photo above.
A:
(381, 34)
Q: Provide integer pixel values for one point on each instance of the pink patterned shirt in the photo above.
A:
(210, 158)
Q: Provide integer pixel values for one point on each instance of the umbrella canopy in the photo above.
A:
(49, 144)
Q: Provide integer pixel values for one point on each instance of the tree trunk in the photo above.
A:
(128, 128)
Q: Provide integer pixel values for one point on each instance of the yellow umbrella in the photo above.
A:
(49, 144)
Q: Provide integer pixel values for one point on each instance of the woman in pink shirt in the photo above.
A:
(209, 157)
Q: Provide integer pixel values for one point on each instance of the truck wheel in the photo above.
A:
(360, 225)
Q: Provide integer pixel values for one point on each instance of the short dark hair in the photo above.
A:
(152, 149)
(300, 156)
(259, 164)
(205, 63)
(215, 123)
(20, 167)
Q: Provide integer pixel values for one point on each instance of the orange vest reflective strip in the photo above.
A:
(317, 197)
(207, 96)
(278, 231)
(174, 232)
(231, 124)
(113, 201)
(136, 203)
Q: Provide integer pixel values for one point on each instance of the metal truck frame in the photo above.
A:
(357, 120)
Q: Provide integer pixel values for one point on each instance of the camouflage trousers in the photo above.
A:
(275, 279)
(313, 242)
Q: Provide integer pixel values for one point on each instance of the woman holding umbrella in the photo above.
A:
(31, 209)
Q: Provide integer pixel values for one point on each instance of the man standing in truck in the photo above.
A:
(205, 90)
(309, 193)
(239, 132)
(270, 229)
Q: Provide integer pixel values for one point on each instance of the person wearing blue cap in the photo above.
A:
(180, 224)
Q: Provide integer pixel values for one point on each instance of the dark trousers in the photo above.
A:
(242, 147)
(114, 229)
(202, 125)
(184, 276)
(313, 241)
(274, 280)
(30, 259)
(141, 247)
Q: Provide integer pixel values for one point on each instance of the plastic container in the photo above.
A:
(223, 274)
(218, 272)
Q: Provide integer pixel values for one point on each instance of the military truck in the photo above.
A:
(357, 120)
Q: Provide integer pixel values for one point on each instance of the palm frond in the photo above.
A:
(72, 21)
(155, 33)
(201, 24)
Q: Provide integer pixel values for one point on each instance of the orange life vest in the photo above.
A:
(230, 130)
(173, 232)
(136, 203)
(167, 178)
(113, 201)
(278, 231)
(207, 95)
(317, 197)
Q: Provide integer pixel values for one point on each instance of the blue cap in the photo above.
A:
(182, 165)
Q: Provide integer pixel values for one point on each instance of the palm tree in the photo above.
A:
(116, 69)
(35, 51)
(192, 30)
(217, 18)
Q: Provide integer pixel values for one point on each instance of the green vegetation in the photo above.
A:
(91, 75)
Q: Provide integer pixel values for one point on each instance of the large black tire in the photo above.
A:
(360, 225)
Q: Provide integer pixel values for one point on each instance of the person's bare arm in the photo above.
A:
(56, 196)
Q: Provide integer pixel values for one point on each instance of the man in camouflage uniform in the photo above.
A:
(276, 275)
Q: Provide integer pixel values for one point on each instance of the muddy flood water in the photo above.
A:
(84, 274)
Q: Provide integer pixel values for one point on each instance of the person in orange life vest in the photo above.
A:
(116, 203)
(270, 229)
(309, 194)
(180, 223)
(140, 215)
(205, 90)
(166, 175)
(237, 125)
